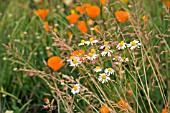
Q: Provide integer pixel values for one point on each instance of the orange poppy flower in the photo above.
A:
(93, 11)
(46, 26)
(123, 104)
(164, 111)
(103, 2)
(122, 16)
(42, 13)
(82, 26)
(78, 53)
(104, 109)
(46, 100)
(167, 4)
(73, 18)
(87, 5)
(80, 9)
(55, 63)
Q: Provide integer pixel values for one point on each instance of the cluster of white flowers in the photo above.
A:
(92, 55)
(134, 44)
(104, 77)
(120, 59)
(74, 61)
(90, 41)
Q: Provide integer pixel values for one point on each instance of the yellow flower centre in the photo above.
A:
(97, 67)
(93, 51)
(116, 56)
(106, 49)
(121, 43)
(75, 61)
(72, 11)
(106, 43)
(133, 43)
(80, 54)
(90, 54)
(75, 88)
(109, 69)
(123, 58)
(103, 76)
(145, 18)
(91, 39)
(82, 41)
(55, 29)
(96, 28)
(71, 57)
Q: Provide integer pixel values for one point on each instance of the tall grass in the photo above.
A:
(26, 79)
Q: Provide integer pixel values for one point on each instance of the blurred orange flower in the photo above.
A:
(145, 18)
(167, 4)
(103, 2)
(87, 5)
(80, 9)
(82, 26)
(104, 109)
(164, 111)
(73, 18)
(78, 53)
(42, 13)
(96, 28)
(69, 34)
(46, 26)
(55, 63)
(93, 11)
(122, 16)
(123, 104)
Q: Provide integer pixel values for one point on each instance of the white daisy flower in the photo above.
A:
(103, 78)
(75, 89)
(109, 71)
(106, 52)
(134, 44)
(124, 59)
(121, 45)
(81, 43)
(117, 58)
(74, 61)
(105, 45)
(91, 56)
(97, 69)
(91, 41)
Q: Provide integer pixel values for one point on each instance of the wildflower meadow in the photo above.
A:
(85, 56)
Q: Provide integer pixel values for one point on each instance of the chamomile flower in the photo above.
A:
(106, 52)
(106, 44)
(91, 56)
(117, 58)
(103, 78)
(109, 71)
(134, 44)
(97, 69)
(124, 59)
(74, 61)
(81, 43)
(121, 45)
(91, 41)
(75, 89)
